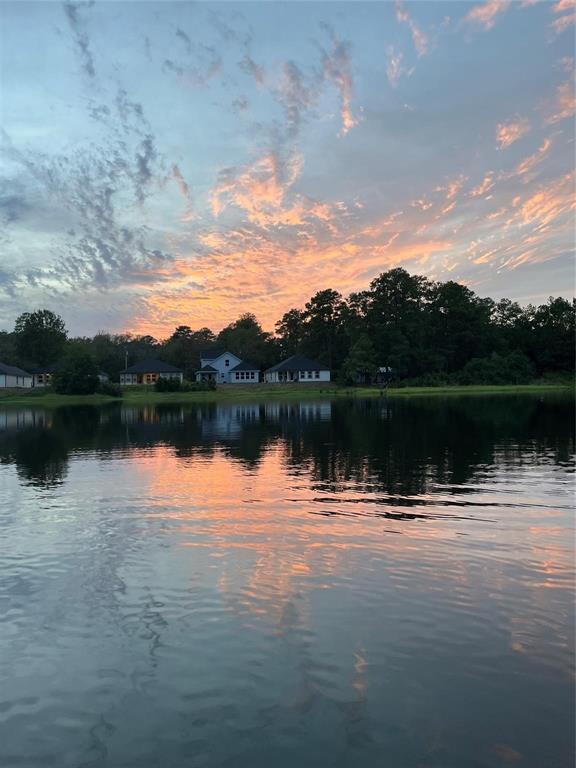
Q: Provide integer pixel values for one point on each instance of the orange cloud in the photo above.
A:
(528, 164)
(486, 13)
(485, 186)
(263, 191)
(258, 189)
(564, 105)
(418, 37)
(549, 203)
(508, 133)
(451, 188)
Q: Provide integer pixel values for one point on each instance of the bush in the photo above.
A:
(167, 385)
(514, 368)
(110, 389)
(173, 385)
(198, 386)
(76, 375)
(426, 380)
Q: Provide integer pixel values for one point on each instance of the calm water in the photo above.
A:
(364, 584)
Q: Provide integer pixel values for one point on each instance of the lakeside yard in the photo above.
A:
(230, 393)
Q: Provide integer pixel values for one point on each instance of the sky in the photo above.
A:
(168, 163)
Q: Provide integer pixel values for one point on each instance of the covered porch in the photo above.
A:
(206, 374)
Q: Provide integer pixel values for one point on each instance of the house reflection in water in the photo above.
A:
(24, 418)
(150, 414)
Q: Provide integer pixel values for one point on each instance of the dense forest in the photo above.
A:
(427, 332)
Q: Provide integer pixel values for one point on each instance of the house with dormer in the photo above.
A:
(223, 367)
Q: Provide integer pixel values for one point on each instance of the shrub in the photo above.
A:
(164, 384)
(514, 368)
(110, 389)
(198, 386)
(426, 380)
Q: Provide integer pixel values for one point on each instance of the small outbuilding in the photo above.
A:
(148, 372)
(297, 369)
(13, 377)
(42, 376)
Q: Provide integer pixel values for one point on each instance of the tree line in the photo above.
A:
(425, 331)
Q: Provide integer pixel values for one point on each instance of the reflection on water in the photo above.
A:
(363, 583)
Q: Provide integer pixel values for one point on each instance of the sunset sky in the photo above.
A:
(182, 163)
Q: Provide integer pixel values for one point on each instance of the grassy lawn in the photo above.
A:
(231, 393)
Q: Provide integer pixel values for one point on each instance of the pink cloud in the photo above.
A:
(508, 133)
(419, 39)
(564, 105)
(530, 162)
(485, 14)
(337, 66)
(485, 186)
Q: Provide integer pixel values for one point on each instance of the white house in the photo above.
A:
(297, 369)
(10, 376)
(225, 368)
(148, 372)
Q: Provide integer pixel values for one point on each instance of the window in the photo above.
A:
(226, 363)
(316, 374)
(251, 374)
(237, 375)
(309, 374)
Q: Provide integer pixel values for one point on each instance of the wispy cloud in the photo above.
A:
(509, 132)
(564, 104)
(549, 203)
(181, 35)
(296, 95)
(484, 187)
(419, 39)
(337, 67)
(394, 67)
(563, 22)
(184, 190)
(249, 67)
(568, 8)
(530, 162)
(485, 14)
(196, 71)
(80, 36)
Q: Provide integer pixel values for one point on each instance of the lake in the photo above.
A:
(363, 583)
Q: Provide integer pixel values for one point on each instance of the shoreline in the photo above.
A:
(232, 393)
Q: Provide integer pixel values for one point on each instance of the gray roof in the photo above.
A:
(151, 366)
(245, 366)
(207, 369)
(11, 370)
(211, 354)
(298, 363)
(44, 369)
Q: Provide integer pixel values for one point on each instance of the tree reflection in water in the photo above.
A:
(400, 447)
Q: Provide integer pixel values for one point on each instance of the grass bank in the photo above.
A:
(234, 393)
